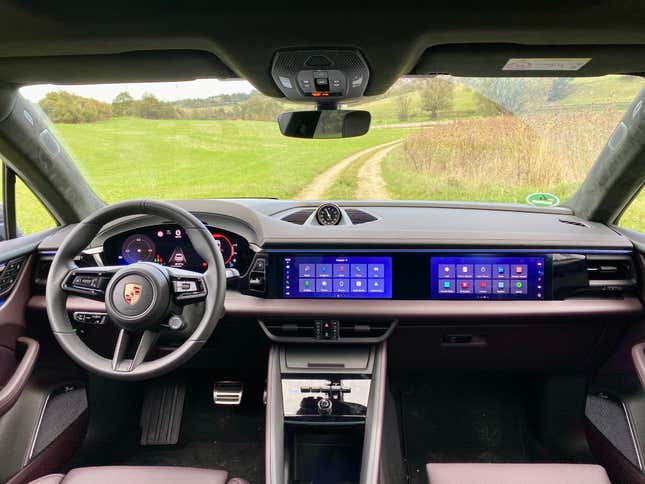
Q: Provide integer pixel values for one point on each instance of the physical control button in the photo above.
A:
(257, 282)
(286, 82)
(90, 318)
(89, 282)
(257, 277)
(325, 406)
(326, 329)
(176, 323)
(259, 265)
(185, 286)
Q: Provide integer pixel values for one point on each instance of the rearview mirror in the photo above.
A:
(323, 124)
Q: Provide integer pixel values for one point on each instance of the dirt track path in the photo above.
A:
(371, 185)
(320, 185)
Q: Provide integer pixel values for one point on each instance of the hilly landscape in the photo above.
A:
(458, 139)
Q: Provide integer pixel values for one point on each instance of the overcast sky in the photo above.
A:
(166, 91)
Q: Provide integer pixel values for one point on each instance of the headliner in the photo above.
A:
(77, 42)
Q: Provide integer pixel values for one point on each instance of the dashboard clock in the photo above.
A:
(329, 214)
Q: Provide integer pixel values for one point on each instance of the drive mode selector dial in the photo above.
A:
(329, 214)
(325, 406)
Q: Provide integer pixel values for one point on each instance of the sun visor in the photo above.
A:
(513, 60)
(136, 66)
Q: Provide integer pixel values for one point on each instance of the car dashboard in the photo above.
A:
(496, 283)
(390, 260)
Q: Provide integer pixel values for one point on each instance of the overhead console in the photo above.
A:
(320, 75)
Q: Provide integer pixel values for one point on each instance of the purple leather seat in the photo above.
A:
(140, 475)
(516, 474)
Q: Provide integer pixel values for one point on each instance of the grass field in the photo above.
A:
(133, 158)
(126, 158)
(503, 159)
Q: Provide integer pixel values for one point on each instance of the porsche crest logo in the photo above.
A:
(131, 293)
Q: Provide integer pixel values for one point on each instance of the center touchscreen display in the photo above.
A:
(487, 277)
(334, 277)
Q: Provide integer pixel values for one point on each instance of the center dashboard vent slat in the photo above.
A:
(299, 217)
(355, 215)
(358, 216)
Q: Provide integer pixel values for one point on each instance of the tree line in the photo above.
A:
(65, 107)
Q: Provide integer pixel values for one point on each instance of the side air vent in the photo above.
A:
(573, 222)
(299, 217)
(43, 264)
(611, 272)
(41, 272)
(359, 216)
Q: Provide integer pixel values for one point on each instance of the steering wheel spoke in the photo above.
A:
(147, 341)
(187, 286)
(89, 281)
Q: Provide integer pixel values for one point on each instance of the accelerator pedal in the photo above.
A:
(228, 392)
(163, 407)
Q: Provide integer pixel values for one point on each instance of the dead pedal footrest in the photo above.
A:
(163, 407)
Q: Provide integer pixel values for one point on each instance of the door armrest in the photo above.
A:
(11, 391)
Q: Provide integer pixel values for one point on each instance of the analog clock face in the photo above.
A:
(328, 214)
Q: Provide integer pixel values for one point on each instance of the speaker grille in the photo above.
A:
(610, 419)
(62, 408)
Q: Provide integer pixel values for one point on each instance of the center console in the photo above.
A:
(327, 375)
(325, 413)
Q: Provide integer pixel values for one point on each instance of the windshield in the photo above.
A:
(442, 138)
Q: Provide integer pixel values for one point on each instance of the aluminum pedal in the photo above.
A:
(228, 392)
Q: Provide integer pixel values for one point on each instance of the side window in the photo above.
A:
(634, 216)
(30, 214)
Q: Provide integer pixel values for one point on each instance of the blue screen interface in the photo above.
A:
(334, 277)
(487, 277)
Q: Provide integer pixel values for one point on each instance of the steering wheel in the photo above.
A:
(140, 299)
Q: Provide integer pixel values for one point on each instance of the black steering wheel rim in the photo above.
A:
(214, 280)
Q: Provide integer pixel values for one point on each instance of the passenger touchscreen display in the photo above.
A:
(335, 277)
(487, 277)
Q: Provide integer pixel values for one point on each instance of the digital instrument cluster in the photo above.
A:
(170, 246)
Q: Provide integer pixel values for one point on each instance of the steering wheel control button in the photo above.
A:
(185, 286)
(176, 323)
(96, 319)
(89, 282)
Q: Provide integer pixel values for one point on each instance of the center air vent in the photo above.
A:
(299, 217)
(347, 331)
(359, 216)
(356, 216)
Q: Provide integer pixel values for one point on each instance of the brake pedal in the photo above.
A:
(228, 392)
